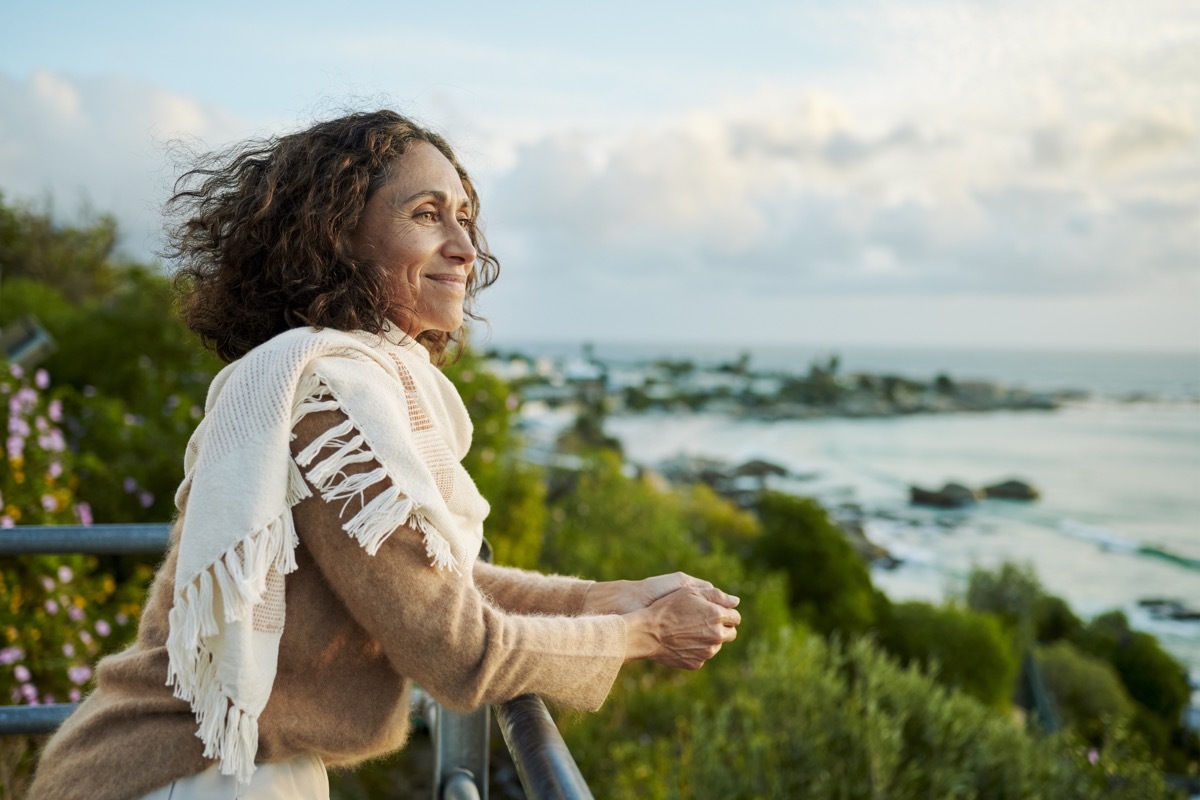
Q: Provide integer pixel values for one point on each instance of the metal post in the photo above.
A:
(460, 754)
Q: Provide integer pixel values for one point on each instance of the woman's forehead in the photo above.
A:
(423, 169)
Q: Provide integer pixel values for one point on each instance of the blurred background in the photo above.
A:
(768, 271)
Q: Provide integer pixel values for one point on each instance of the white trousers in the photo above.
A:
(302, 778)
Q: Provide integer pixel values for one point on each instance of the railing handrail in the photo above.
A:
(141, 537)
(542, 758)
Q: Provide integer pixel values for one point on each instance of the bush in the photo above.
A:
(805, 719)
(1154, 679)
(1086, 691)
(828, 583)
(964, 649)
(58, 614)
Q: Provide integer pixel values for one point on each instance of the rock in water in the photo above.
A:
(952, 495)
(1011, 490)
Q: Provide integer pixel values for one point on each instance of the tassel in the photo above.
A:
(331, 437)
(297, 487)
(371, 526)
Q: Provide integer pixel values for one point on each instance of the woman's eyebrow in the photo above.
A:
(435, 194)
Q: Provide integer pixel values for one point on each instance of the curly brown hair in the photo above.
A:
(261, 233)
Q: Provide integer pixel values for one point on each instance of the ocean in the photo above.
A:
(1119, 471)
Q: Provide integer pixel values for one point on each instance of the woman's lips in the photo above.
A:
(450, 280)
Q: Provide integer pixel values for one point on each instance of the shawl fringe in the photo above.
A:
(239, 579)
(391, 508)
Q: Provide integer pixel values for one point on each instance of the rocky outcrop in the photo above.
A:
(1011, 490)
(952, 495)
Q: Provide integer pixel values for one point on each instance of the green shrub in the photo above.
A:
(828, 584)
(966, 649)
(1086, 691)
(801, 718)
(1154, 679)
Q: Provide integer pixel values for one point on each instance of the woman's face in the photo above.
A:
(416, 226)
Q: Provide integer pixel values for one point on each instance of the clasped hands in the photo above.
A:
(675, 619)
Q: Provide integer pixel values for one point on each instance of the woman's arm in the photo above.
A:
(435, 626)
(523, 592)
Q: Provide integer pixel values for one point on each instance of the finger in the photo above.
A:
(715, 595)
(694, 582)
(731, 618)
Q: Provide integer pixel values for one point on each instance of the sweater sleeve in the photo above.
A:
(437, 628)
(523, 592)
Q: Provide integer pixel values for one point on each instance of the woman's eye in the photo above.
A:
(466, 222)
(431, 216)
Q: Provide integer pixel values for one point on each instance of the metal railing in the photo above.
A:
(460, 741)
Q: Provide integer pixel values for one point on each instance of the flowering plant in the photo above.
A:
(58, 614)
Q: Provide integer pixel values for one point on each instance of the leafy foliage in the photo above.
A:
(965, 649)
(828, 584)
(1086, 690)
(802, 718)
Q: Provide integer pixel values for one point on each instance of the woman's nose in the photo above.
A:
(459, 246)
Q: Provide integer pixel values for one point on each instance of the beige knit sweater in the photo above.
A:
(359, 629)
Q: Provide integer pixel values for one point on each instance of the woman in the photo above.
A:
(324, 556)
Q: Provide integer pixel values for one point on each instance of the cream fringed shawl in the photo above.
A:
(402, 414)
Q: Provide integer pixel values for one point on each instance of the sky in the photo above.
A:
(950, 173)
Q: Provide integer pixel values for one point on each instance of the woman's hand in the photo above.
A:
(684, 628)
(624, 597)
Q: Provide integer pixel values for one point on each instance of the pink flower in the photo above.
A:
(65, 574)
(52, 441)
(85, 637)
(103, 628)
(51, 607)
(48, 583)
(48, 699)
(41, 379)
(55, 410)
(18, 427)
(79, 675)
(16, 371)
(11, 655)
(16, 447)
(130, 485)
(75, 613)
(84, 512)
(6, 522)
(69, 650)
(75, 695)
(122, 619)
(146, 499)
(54, 470)
(49, 503)
(21, 673)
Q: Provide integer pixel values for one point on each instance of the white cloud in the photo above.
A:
(99, 142)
